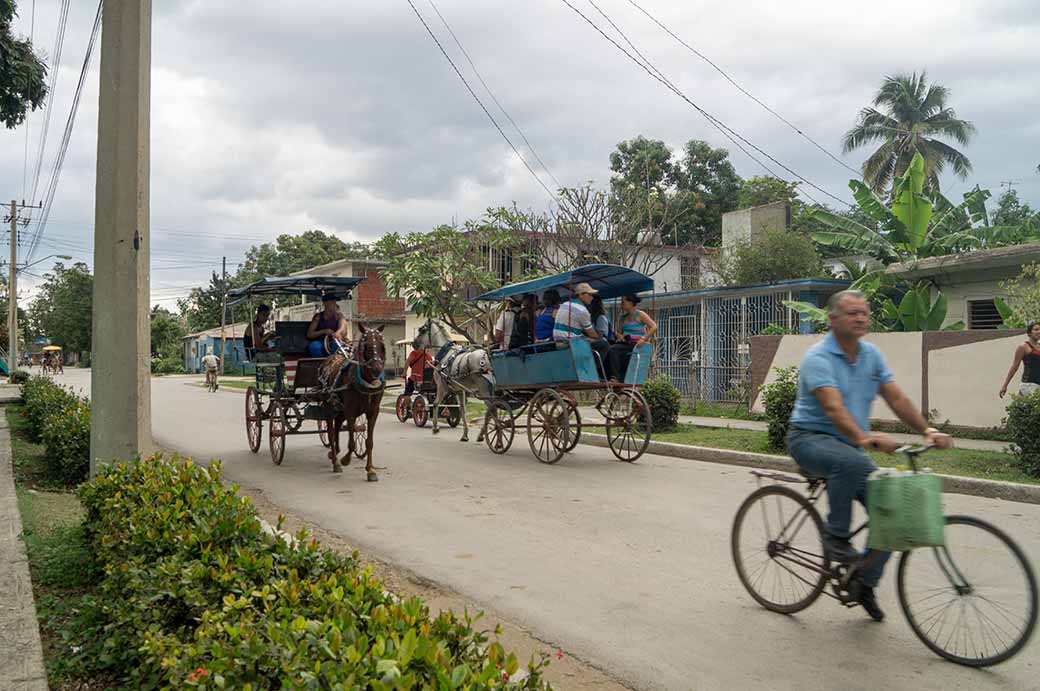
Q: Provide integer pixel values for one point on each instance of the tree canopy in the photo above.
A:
(777, 256)
(167, 331)
(63, 308)
(23, 75)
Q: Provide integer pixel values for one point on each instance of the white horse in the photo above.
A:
(459, 370)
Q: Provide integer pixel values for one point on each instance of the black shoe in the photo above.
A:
(869, 603)
(840, 550)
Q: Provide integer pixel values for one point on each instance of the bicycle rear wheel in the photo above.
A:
(973, 601)
(777, 546)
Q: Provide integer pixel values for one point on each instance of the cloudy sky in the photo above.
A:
(275, 117)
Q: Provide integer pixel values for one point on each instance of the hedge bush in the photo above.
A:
(665, 402)
(778, 399)
(19, 376)
(170, 365)
(196, 594)
(42, 399)
(1023, 426)
(60, 420)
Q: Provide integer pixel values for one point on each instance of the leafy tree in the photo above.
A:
(1012, 212)
(441, 271)
(766, 189)
(909, 117)
(778, 255)
(22, 318)
(291, 253)
(201, 309)
(167, 332)
(63, 308)
(711, 186)
(1021, 301)
(23, 76)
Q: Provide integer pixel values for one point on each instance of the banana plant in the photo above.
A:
(917, 312)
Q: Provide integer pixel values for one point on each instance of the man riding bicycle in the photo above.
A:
(212, 363)
(838, 380)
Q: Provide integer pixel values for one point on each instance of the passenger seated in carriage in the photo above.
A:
(255, 338)
(573, 320)
(523, 327)
(546, 319)
(636, 329)
(418, 362)
(331, 323)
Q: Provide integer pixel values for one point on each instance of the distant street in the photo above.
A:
(627, 566)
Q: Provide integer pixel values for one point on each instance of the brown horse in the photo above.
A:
(357, 391)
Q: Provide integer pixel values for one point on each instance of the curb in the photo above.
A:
(952, 484)
(21, 652)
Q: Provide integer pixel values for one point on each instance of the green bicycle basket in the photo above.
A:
(905, 510)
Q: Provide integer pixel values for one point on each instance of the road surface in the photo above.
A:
(628, 566)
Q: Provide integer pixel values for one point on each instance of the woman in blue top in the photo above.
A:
(637, 328)
(543, 325)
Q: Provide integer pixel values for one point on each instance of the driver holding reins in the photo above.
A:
(330, 323)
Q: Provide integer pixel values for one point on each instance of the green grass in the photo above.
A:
(723, 410)
(988, 465)
(27, 457)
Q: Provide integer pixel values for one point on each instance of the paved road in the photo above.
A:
(627, 565)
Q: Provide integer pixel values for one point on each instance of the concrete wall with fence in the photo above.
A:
(956, 375)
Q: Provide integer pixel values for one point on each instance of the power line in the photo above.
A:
(59, 42)
(28, 112)
(725, 129)
(59, 160)
(492, 95)
(742, 90)
(479, 102)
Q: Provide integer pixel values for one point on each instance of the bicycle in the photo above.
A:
(942, 591)
(211, 380)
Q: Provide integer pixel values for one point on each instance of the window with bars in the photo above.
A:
(983, 314)
(689, 273)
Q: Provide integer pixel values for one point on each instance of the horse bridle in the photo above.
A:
(363, 343)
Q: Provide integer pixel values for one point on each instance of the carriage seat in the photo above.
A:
(292, 337)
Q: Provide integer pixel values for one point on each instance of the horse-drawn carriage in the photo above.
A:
(544, 379)
(287, 390)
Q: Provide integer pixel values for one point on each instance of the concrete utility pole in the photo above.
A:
(223, 313)
(12, 295)
(120, 385)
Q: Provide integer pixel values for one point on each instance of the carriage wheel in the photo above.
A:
(403, 407)
(452, 415)
(294, 417)
(574, 427)
(548, 428)
(323, 433)
(419, 411)
(360, 446)
(276, 432)
(254, 419)
(628, 425)
(498, 427)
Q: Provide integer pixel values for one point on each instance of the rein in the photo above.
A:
(363, 366)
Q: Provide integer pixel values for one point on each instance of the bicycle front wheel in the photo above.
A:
(972, 601)
(777, 545)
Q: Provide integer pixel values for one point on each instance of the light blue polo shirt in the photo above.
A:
(825, 364)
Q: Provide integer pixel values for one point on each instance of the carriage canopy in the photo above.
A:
(313, 286)
(611, 281)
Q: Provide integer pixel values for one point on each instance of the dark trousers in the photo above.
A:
(846, 469)
(409, 386)
(617, 359)
(600, 348)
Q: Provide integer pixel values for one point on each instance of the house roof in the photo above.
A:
(823, 285)
(1011, 257)
(305, 284)
(339, 263)
(236, 330)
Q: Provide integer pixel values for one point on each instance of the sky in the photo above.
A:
(346, 117)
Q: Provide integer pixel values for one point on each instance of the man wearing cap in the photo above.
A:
(329, 322)
(574, 321)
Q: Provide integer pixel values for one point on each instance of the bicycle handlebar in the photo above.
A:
(912, 450)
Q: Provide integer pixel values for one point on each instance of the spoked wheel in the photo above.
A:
(973, 601)
(294, 417)
(777, 546)
(452, 414)
(254, 419)
(323, 433)
(628, 425)
(403, 407)
(548, 428)
(420, 413)
(276, 432)
(574, 426)
(360, 446)
(498, 427)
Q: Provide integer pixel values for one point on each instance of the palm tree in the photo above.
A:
(907, 116)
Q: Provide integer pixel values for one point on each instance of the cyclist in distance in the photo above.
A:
(829, 432)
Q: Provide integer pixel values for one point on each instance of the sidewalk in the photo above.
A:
(21, 653)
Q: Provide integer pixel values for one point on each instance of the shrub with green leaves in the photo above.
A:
(778, 399)
(1023, 426)
(42, 398)
(168, 365)
(196, 594)
(19, 376)
(665, 402)
(66, 441)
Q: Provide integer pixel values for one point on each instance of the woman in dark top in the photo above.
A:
(546, 320)
(328, 322)
(1028, 354)
(523, 327)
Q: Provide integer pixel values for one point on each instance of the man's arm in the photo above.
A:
(903, 407)
(830, 400)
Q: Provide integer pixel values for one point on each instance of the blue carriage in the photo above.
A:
(287, 390)
(542, 379)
